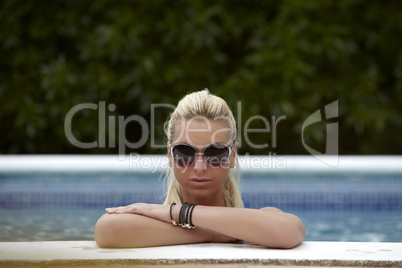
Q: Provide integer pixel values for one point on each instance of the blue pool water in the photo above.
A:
(334, 207)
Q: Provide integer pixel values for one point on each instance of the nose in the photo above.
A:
(200, 163)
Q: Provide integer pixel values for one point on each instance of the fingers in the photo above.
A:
(133, 208)
(156, 211)
(116, 210)
(113, 210)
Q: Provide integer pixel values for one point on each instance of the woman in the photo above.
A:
(202, 190)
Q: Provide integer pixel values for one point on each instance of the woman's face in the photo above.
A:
(200, 182)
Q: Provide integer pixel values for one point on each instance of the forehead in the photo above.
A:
(201, 132)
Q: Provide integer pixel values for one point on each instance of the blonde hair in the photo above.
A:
(205, 104)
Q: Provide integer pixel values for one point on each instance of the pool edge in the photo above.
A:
(86, 253)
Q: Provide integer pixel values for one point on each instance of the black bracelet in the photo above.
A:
(191, 215)
(171, 216)
(187, 214)
(185, 223)
(181, 209)
(182, 220)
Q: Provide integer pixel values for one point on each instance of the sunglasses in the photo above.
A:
(215, 154)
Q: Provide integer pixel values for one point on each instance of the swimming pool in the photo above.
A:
(60, 198)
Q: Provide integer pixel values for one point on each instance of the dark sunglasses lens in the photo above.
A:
(217, 155)
(184, 155)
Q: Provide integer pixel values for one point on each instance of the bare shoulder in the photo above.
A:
(271, 209)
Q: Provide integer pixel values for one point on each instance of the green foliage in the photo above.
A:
(287, 58)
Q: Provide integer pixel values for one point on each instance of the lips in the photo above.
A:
(200, 181)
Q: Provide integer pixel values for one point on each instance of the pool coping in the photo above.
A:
(309, 253)
(134, 163)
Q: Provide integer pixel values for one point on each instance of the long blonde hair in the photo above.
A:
(205, 104)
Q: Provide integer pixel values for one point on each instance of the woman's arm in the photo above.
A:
(269, 227)
(133, 230)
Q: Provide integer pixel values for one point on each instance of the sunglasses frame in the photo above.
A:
(197, 151)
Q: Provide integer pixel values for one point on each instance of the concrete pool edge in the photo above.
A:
(377, 164)
(86, 253)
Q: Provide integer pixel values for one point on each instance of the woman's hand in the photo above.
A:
(155, 211)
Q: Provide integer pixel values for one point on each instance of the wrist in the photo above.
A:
(181, 215)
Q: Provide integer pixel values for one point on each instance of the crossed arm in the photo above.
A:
(146, 225)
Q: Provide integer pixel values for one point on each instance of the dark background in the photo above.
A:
(278, 58)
